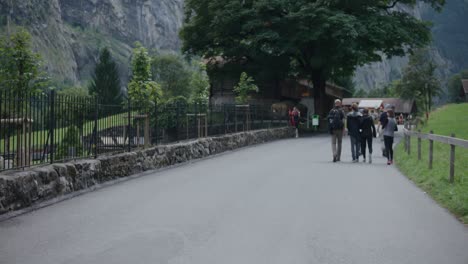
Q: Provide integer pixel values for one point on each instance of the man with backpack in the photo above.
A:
(336, 128)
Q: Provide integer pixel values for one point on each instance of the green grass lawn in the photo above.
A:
(39, 137)
(444, 121)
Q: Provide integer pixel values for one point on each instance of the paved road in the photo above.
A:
(283, 202)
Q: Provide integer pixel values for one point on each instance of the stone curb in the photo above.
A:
(48, 184)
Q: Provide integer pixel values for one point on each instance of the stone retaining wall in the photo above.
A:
(23, 189)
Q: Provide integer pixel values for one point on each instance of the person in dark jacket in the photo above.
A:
(368, 132)
(353, 124)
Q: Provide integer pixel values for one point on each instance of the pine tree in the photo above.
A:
(106, 80)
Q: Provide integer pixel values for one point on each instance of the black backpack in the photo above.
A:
(336, 119)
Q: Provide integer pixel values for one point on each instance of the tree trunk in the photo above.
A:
(319, 93)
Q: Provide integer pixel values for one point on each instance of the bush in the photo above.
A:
(70, 140)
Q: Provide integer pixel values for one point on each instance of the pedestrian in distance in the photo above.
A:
(291, 121)
(353, 123)
(383, 120)
(296, 115)
(336, 128)
(368, 132)
(389, 135)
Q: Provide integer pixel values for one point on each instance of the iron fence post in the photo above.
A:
(156, 122)
(129, 147)
(224, 118)
(96, 116)
(52, 125)
(210, 120)
(177, 120)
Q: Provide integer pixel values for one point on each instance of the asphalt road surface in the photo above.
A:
(283, 202)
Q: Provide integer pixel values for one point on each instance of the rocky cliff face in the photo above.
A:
(449, 48)
(70, 33)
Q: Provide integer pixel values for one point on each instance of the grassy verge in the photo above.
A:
(444, 121)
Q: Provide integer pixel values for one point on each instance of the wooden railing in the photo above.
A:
(452, 141)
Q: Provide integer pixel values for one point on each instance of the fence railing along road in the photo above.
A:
(431, 137)
(49, 127)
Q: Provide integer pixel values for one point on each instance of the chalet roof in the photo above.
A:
(401, 105)
(370, 104)
(465, 85)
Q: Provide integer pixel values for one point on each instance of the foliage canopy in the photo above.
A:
(321, 39)
(244, 88)
(419, 81)
(142, 90)
(20, 68)
(172, 73)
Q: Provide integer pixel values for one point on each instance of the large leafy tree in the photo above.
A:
(106, 80)
(322, 39)
(172, 72)
(420, 82)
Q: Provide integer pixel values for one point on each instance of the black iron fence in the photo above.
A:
(43, 128)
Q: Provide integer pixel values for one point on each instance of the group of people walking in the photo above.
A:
(361, 130)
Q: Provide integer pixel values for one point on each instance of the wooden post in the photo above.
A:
(405, 141)
(431, 149)
(405, 135)
(452, 162)
(419, 145)
(409, 144)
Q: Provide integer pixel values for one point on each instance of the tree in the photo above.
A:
(20, 68)
(386, 91)
(106, 80)
(419, 81)
(244, 88)
(347, 83)
(455, 87)
(199, 83)
(173, 74)
(142, 90)
(322, 39)
(360, 93)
